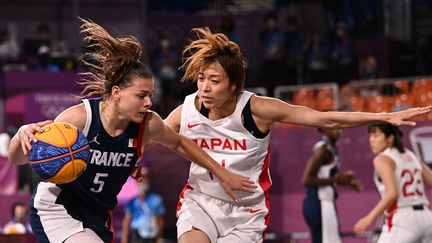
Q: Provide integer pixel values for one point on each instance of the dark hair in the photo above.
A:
(15, 205)
(388, 130)
(116, 61)
(211, 47)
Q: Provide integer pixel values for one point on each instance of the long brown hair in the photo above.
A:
(211, 47)
(115, 61)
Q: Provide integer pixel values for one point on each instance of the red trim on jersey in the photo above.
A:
(141, 135)
(110, 213)
(390, 222)
(391, 210)
(265, 183)
(179, 204)
(136, 171)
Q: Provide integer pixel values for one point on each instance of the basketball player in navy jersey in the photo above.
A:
(233, 126)
(320, 177)
(116, 125)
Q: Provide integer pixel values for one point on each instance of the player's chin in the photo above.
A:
(208, 104)
(139, 117)
(374, 150)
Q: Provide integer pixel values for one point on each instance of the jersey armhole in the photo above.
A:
(89, 116)
(249, 122)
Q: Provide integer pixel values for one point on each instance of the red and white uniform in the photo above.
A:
(229, 143)
(409, 218)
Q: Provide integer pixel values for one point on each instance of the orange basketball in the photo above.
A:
(60, 154)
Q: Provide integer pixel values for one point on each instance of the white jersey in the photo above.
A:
(409, 179)
(328, 192)
(228, 142)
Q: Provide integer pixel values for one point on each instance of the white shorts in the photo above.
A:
(223, 222)
(329, 221)
(407, 225)
(51, 221)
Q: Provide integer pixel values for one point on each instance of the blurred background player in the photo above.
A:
(19, 223)
(321, 176)
(400, 177)
(144, 216)
(233, 126)
(116, 124)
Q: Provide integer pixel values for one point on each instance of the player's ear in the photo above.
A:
(233, 88)
(115, 92)
(391, 139)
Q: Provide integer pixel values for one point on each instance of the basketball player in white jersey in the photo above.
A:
(320, 177)
(400, 177)
(233, 126)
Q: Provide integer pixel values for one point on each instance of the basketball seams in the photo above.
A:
(61, 153)
(59, 156)
(69, 142)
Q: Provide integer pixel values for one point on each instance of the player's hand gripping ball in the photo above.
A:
(60, 154)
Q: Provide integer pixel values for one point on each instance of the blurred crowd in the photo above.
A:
(284, 54)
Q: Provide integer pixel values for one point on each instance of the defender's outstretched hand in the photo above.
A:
(401, 118)
(232, 181)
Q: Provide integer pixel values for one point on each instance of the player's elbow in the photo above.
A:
(392, 195)
(330, 125)
(306, 181)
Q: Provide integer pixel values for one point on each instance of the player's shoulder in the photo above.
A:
(263, 102)
(75, 115)
(383, 159)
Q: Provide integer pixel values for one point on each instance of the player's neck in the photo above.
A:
(223, 111)
(112, 122)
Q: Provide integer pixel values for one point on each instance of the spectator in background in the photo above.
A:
(340, 55)
(165, 64)
(9, 48)
(19, 223)
(293, 42)
(316, 55)
(271, 41)
(228, 27)
(39, 47)
(368, 67)
(320, 178)
(143, 221)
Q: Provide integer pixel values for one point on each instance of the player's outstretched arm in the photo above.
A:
(158, 131)
(274, 110)
(384, 166)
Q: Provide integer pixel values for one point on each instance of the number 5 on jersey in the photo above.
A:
(99, 183)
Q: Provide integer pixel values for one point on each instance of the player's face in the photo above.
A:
(20, 213)
(135, 100)
(214, 88)
(378, 141)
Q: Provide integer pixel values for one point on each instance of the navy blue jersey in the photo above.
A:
(111, 162)
(326, 171)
